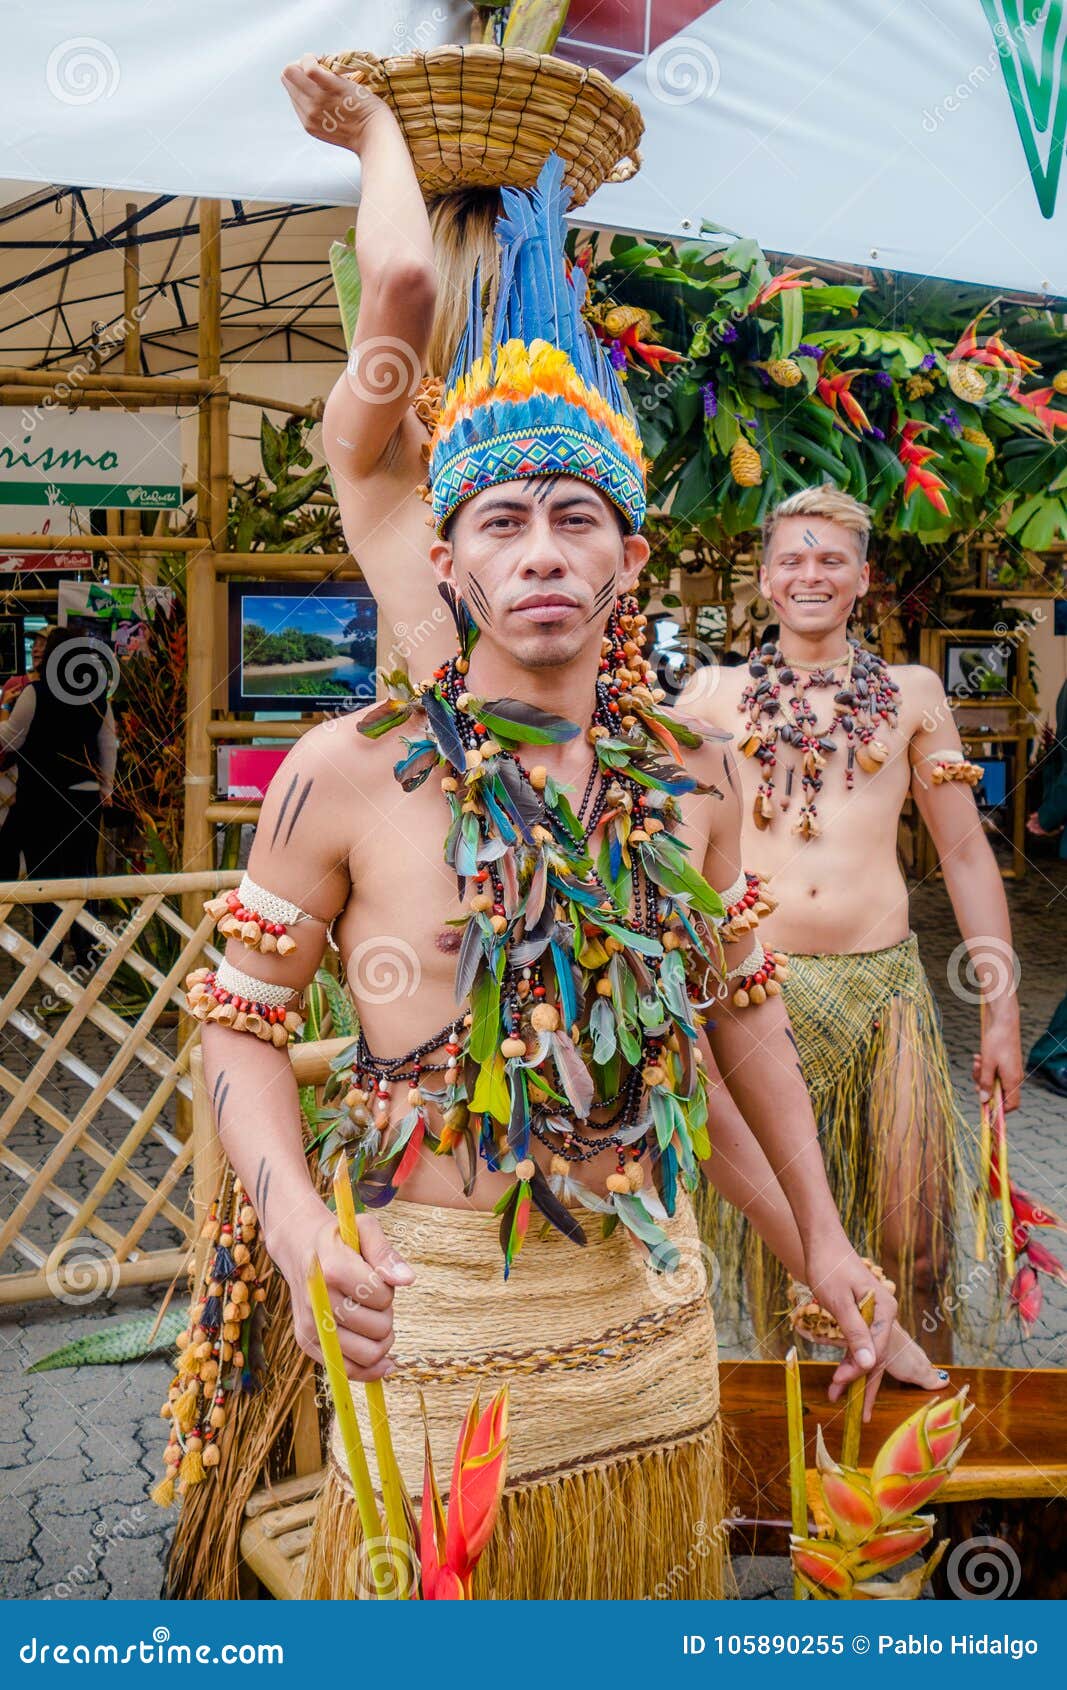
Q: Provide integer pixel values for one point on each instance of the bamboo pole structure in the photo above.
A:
(200, 573)
(100, 384)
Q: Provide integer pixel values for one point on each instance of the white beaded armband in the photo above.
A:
(744, 905)
(760, 975)
(258, 918)
(240, 1001)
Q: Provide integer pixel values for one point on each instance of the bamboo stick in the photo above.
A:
(335, 565)
(118, 886)
(798, 1493)
(232, 812)
(345, 1410)
(188, 387)
(985, 1146)
(388, 1471)
(156, 1267)
(313, 411)
(850, 1435)
(97, 543)
(1007, 1218)
(226, 727)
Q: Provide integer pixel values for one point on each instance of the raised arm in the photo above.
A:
(298, 857)
(394, 250)
(757, 1056)
(972, 879)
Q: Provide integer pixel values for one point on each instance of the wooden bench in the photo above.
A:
(1010, 1485)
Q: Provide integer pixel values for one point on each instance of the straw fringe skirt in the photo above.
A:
(614, 1485)
(870, 1044)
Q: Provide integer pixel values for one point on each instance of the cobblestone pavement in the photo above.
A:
(80, 1448)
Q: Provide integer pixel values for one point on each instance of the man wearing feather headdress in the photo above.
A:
(554, 861)
(413, 269)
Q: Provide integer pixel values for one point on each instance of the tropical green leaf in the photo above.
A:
(122, 1341)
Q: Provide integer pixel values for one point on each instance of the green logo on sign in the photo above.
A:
(1031, 43)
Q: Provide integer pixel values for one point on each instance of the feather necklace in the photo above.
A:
(581, 978)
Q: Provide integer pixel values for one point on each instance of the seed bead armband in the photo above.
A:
(260, 919)
(761, 976)
(243, 1003)
(953, 765)
(745, 903)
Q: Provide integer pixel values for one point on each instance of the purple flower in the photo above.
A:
(929, 361)
(763, 376)
(711, 403)
(617, 355)
(875, 433)
(951, 421)
(746, 422)
(727, 334)
(806, 351)
(883, 378)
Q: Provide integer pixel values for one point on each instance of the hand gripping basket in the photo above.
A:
(482, 116)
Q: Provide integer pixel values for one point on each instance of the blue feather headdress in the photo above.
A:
(544, 399)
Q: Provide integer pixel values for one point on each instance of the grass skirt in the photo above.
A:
(615, 1486)
(870, 1045)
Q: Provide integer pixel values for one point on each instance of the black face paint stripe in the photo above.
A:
(221, 1075)
(220, 1102)
(481, 602)
(281, 812)
(728, 774)
(301, 801)
(602, 597)
(261, 1206)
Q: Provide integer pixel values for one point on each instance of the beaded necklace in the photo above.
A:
(776, 708)
(580, 973)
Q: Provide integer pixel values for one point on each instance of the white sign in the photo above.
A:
(916, 137)
(43, 519)
(125, 459)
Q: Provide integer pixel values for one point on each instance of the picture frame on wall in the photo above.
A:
(12, 647)
(301, 648)
(978, 668)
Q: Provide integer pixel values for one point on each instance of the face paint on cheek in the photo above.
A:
(603, 597)
(479, 601)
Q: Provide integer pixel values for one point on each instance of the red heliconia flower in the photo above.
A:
(477, 1484)
(782, 283)
(916, 477)
(1038, 404)
(1026, 1295)
(1044, 1261)
(993, 352)
(835, 390)
(1025, 1208)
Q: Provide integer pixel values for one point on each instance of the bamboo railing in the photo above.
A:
(115, 1166)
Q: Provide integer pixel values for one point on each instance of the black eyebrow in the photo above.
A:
(589, 500)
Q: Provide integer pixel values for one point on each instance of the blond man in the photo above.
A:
(834, 741)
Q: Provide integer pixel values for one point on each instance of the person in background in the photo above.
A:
(1047, 1060)
(63, 731)
(10, 850)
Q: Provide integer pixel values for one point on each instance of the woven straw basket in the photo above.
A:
(482, 116)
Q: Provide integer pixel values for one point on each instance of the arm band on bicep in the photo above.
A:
(745, 903)
(258, 918)
(760, 976)
(243, 1003)
(951, 764)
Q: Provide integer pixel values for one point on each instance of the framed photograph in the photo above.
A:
(978, 668)
(1007, 571)
(301, 648)
(12, 647)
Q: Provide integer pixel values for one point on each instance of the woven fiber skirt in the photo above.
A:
(614, 1478)
(874, 1061)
